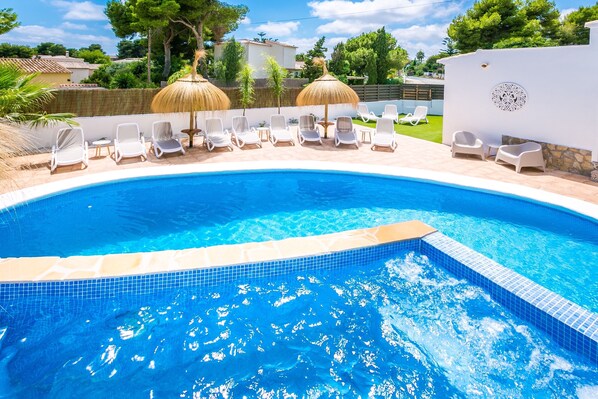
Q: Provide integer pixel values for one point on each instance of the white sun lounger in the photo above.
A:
(344, 132)
(390, 112)
(467, 143)
(70, 148)
(365, 114)
(384, 136)
(129, 142)
(420, 113)
(216, 135)
(163, 140)
(243, 134)
(279, 131)
(308, 130)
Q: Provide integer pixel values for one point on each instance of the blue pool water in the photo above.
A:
(396, 327)
(557, 249)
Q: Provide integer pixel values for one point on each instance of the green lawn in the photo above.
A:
(426, 131)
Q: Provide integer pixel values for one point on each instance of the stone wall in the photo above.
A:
(568, 159)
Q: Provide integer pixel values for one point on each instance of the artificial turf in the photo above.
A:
(431, 131)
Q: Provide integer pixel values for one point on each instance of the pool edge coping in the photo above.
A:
(53, 268)
(498, 187)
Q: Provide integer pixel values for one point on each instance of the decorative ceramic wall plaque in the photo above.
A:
(509, 96)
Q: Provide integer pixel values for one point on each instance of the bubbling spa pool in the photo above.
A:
(383, 322)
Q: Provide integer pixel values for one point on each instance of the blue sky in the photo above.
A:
(417, 24)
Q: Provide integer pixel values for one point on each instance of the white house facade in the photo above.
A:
(256, 53)
(548, 94)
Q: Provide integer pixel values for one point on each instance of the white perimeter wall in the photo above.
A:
(98, 127)
(561, 84)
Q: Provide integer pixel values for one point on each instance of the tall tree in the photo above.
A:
(449, 46)
(504, 24)
(382, 47)
(8, 20)
(310, 70)
(152, 16)
(338, 65)
(141, 16)
(364, 51)
(573, 30)
(130, 49)
(232, 57)
(8, 50)
(49, 48)
(419, 56)
(208, 15)
(261, 38)
(276, 75)
(93, 57)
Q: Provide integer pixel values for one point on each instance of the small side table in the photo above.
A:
(367, 131)
(99, 144)
(492, 147)
(261, 130)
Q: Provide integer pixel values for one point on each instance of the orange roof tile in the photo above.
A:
(36, 65)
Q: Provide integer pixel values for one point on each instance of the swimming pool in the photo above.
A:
(396, 326)
(553, 247)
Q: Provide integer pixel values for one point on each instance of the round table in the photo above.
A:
(99, 144)
(325, 125)
(191, 133)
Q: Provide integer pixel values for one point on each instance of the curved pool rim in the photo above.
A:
(545, 198)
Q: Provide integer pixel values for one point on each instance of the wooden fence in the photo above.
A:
(138, 101)
(399, 92)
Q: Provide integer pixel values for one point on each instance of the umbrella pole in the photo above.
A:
(326, 120)
(191, 127)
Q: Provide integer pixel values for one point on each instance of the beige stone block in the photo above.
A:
(225, 255)
(195, 258)
(161, 261)
(403, 231)
(26, 269)
(300, 247)
(262, 251)
(121, 265)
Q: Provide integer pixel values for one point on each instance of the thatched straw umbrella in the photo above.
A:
(327, 90)
(189, 94)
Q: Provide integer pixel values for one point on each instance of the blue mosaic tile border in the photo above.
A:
(569, 324)
(148, 283)
(572, 326)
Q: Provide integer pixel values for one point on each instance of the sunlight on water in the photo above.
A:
(400, 327)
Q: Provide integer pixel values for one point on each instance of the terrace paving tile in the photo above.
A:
(411, 153)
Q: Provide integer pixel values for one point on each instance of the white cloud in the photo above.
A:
(108, 26)
(425, 33)
(427, 38)
(278, 29)
(245, 21)
(353, 16)
(81, 11)
(35, 34)
(347, 27)
(70, 25)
